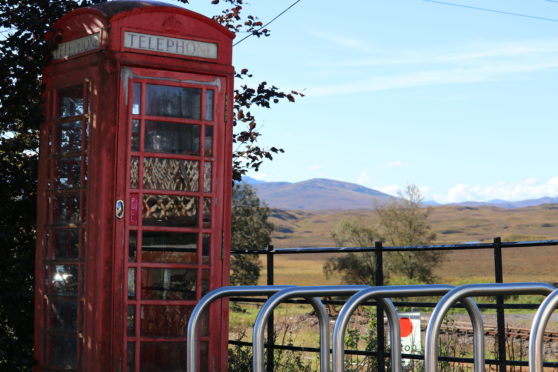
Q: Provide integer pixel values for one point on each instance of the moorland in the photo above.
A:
(452, 224)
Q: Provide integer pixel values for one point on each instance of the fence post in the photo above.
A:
(379, 280)
(270, 328)
(500, 317)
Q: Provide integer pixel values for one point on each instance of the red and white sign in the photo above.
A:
(410, 334)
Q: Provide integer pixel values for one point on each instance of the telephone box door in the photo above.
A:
(170, 229)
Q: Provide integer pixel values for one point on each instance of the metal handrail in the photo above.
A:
(343, 318)
(310, 294)
(470, 290)
(540, 322)
(393, 318)
(193, 324)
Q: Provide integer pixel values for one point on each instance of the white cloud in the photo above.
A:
(397, 164)
(259, 176)
(465, 64)
(489, 72)
(530, 181)
(316, 167)
(527, 189)
(389, 189)
(364, 178)
(469, 54)
(424, 190)
(395, 190)
(345, 41)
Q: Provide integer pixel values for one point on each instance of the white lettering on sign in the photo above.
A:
(172, 45)
(83, 44)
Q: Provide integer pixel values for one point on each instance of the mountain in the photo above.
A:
(250, 180)
(327, 194)
(510, 204)
(319, 194)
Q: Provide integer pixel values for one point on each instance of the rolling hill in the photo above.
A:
(319, 194)
(327, 194)
(452, 224)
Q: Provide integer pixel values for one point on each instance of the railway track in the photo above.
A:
(514, 333)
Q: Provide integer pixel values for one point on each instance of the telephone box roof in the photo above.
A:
(112, 10)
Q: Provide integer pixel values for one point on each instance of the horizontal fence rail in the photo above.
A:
(381, 354)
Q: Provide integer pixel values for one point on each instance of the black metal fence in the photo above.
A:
(381, 354)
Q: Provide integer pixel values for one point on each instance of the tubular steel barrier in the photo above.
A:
(310, 294)
(497, 246)
(359, 295)
(540, 322)
(500, 359)
(393, 318)
(193, 323)
(470, 290)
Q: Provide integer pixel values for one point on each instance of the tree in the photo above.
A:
(250, 231)
(402, 222)
(17, 242)
(355, 268)
(23, 54)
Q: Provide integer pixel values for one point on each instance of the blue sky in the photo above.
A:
(461, 102)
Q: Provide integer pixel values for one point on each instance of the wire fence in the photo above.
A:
(502, 362)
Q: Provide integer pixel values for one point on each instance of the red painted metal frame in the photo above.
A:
(104, 253)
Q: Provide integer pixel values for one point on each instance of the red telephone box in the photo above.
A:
(134, 188)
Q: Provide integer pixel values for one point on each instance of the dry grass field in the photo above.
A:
(452, 224)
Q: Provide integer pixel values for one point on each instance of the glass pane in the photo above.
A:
(132, 246)
(206, 244)
(170, 210)
(164, 321)
(170, 247)
(66, 208)
(62, 315)
(65, 244)
(134, 172)
(134, 209)
(84, 236)
(207, 176)
(206, 212)
(131, 320)
(205, 282)
(131, 283)
(84, 172)
(209, 94)
(135, 134)
(171, 174)
(67, 173)
(69, 137)
(136, 107)
(208, 141)
(172, 138)
(61, 352)
(204, 357)
(204, 324)
(162, 356)
(62, 280)
(70, 101)
(83, 214)
(179, 102)
(131, 357)
(168, 284)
